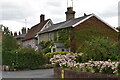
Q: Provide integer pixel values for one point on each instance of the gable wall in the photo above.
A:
(32, 42)
(92, 27)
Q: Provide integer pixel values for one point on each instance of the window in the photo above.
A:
(50, 36)
(54, 50)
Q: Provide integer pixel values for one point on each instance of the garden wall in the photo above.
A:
(79, 74)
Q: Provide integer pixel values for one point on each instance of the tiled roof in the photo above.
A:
(20, 36)
(59, 45)
(34, 30)
(64, 24)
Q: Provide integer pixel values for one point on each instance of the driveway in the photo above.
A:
(43, 73)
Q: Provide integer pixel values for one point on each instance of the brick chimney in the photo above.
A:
(23, 30)
(70, 14)
(15, 33)
(42, 17)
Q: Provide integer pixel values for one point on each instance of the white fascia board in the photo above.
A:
(44, 26)
(82, 21)
(105, 22)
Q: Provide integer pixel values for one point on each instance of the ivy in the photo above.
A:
(63, 36)
(55, 36)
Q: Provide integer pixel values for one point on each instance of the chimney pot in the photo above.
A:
(42, 17)
(23, 30)
(85, 14)
(15, 34)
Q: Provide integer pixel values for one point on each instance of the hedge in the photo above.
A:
(23, 58)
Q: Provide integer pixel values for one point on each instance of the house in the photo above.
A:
(31, 40)
(75, 31)
(20, 36)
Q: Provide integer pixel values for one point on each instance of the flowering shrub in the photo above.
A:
(69, 61)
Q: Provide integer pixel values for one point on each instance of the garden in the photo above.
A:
(99, 55)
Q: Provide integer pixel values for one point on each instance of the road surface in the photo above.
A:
(29, 75)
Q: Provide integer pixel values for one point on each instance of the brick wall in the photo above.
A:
(96, 27)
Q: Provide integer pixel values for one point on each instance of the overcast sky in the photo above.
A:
(14, 12)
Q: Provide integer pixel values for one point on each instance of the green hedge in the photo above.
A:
(23, 58)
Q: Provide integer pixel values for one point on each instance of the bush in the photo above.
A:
(46, 46)
(69, 61)
(99, 49)
(50, 55)
(23, 58)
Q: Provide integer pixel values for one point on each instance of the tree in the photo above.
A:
(8, 42)
(119, 41)
(99, 48)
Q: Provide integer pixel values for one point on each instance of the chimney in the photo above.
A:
(70, 14)
(15, 33)
(19, 33)
(85, 14)
(23, 30)
(42, 17)
(28, 29)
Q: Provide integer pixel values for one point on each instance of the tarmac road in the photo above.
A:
(43, 74)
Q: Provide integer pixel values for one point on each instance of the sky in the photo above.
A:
(16, 14)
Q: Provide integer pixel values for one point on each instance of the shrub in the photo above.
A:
(99, 49)
(23, 58)
(69, 61)
(46, 46)
(50, 55)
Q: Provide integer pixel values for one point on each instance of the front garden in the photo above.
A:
(97, 55)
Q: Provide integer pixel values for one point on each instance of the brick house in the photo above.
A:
(85, 24)
(31, 40)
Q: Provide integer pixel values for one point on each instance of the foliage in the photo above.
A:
(118, 28)
(23, 58)
(47, 66)
(55, 36)
(9, 43)
(86, 33)
(119, 41)
(46, 46)
(69, 61)
(63, 36)
(6, 31)
(104, 47)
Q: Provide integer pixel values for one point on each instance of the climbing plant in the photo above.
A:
(63, 36)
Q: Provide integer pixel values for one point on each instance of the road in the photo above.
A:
(43, 73)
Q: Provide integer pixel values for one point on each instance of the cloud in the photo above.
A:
(15, 12)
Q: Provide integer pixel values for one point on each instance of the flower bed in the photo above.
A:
(68, 61)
